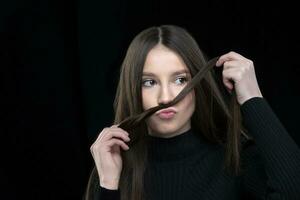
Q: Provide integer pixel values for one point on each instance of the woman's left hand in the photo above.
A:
(241, 71)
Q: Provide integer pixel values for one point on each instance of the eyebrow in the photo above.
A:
(173, 74)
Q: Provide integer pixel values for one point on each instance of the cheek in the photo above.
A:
(187, 109)
(189, 101)
(147, 98)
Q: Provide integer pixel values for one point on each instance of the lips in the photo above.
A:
(167, 113)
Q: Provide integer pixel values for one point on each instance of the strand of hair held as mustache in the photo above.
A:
(134, 121)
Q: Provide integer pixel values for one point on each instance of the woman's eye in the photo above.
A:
(181, 80)
(148, 83)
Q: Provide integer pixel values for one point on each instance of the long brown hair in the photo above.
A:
(217, 113)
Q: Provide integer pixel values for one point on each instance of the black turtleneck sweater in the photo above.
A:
(187, 167)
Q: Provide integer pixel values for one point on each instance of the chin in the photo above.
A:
(164, 129)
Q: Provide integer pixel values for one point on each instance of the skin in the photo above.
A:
(162, 87)
(241, 71)
(238, 74)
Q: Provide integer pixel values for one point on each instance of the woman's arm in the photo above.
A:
(107, 194)
(275, 157)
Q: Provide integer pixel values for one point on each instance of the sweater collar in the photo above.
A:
(175, 148)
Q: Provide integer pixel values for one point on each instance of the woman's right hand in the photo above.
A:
(106, 153)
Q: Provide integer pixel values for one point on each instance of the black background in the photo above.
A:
(59, 63)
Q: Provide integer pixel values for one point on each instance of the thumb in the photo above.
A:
(228, 83)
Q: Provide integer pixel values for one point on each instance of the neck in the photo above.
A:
(169, 135)
(175, 148)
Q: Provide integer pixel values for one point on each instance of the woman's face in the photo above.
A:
(164, 76)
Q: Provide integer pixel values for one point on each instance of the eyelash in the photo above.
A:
(147, 80)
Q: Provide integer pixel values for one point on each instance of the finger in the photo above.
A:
(91, 150)
(228, 83)
(119, 129)
(118, 142)
(116, 124)
(114, 127)
(228, 77)
(115, 133)
(98, 138)
(106, 131)
(101, 134)
(229, 56)
(233, 64)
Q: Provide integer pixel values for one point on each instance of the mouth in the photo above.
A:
(167, 113)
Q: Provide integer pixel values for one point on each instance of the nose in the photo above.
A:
(165, 95)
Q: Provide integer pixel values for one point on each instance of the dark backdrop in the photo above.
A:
(59, 63)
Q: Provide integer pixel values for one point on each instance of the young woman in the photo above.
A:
(188, 128)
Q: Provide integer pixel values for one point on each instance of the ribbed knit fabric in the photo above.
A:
(188, 167)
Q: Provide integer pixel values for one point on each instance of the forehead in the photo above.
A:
(161, 60)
